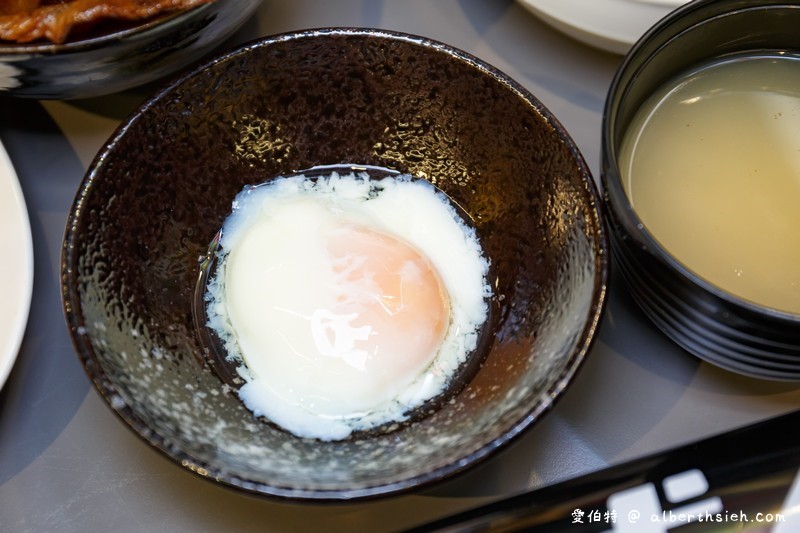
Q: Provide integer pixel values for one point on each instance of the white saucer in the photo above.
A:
(611, 25)
(16, 267)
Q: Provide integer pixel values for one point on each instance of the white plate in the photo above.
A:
(16, 266)
(611, 25)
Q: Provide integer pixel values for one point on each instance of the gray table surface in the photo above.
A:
(68, 464)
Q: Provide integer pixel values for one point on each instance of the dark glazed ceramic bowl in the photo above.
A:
(160, 189)
(705, 320)
(120, 60)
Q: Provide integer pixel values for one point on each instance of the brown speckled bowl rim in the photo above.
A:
(72, 306)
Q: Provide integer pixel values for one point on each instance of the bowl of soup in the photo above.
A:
(701, 158)
(335, 264)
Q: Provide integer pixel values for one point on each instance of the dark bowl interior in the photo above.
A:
(707, 321)
(159, 190)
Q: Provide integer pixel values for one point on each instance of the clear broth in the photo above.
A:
(711, 164)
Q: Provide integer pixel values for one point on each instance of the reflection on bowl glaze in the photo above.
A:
(9, 76)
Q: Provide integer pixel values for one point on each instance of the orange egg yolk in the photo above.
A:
(394, 295)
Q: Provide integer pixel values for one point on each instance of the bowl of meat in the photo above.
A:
(83, 48)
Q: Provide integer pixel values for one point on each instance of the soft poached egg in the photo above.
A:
(346, 302)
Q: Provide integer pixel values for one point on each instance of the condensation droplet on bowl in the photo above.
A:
(117, 402)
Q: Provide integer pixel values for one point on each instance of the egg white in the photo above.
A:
(410, 210)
